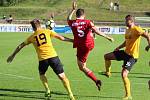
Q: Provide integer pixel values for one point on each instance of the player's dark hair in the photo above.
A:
(35, 23)
(79, 12)
(129, 17)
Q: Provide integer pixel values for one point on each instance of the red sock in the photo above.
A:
(91, 75)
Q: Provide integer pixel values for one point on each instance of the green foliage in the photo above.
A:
(29, 9)
(9, 2)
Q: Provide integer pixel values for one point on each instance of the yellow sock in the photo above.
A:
(107, 66)
(68, 88)
(127, 86)
(45, 83)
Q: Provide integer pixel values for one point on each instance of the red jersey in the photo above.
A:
(83, 36)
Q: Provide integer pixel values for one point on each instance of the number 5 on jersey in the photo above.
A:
(41, 39)
(80, 32)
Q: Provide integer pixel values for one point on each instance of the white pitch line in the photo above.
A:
(17, 76)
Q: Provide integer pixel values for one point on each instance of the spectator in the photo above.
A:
(10, 19)
(116, 6)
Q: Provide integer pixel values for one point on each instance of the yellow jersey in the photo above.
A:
(41, 39)
(132, 39)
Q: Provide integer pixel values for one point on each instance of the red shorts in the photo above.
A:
(82, 53)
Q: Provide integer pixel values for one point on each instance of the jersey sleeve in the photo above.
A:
(139, 30)
(28, 40)
(91, 24)
(52, 33)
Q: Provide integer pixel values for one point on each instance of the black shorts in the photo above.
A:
(129, 61)
(55, 64)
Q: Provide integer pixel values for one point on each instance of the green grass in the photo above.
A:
(20, 81)
(29, 9)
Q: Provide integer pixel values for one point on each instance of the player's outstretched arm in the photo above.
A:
(63, 38)
(11, 57)
(74, 6)
(147, 36)
(102, 34)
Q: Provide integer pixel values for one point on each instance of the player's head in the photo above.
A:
(129, 20)
(80, 13)
(35, 24)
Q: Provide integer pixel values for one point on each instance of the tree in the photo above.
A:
(9, 2)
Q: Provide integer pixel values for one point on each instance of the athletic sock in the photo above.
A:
(48, 90)
(127, 86)
(91, 75)
(107, 66)
(67, 86)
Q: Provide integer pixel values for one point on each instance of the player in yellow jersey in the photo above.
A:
(41, 39)
(129, 55)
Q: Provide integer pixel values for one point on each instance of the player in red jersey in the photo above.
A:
(83, 40)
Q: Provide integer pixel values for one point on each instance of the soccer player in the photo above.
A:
(41, 39)
(129, 55)
(83, 40)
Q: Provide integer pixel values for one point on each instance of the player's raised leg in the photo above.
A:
(66, 84)
(108, 57)
(126, 84)
(89, 73)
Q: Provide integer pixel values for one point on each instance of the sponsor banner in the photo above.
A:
(112, 30)
(28, 28)
(117, 29)
(15, 28)
(63, 28)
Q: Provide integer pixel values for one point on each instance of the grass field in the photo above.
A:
(20, 81)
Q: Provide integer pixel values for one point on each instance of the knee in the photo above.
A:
(42, 75)
(124, 73)
(81, 68)
(106, 57)
(62, 76)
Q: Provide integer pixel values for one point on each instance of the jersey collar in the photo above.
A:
(80, 18)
